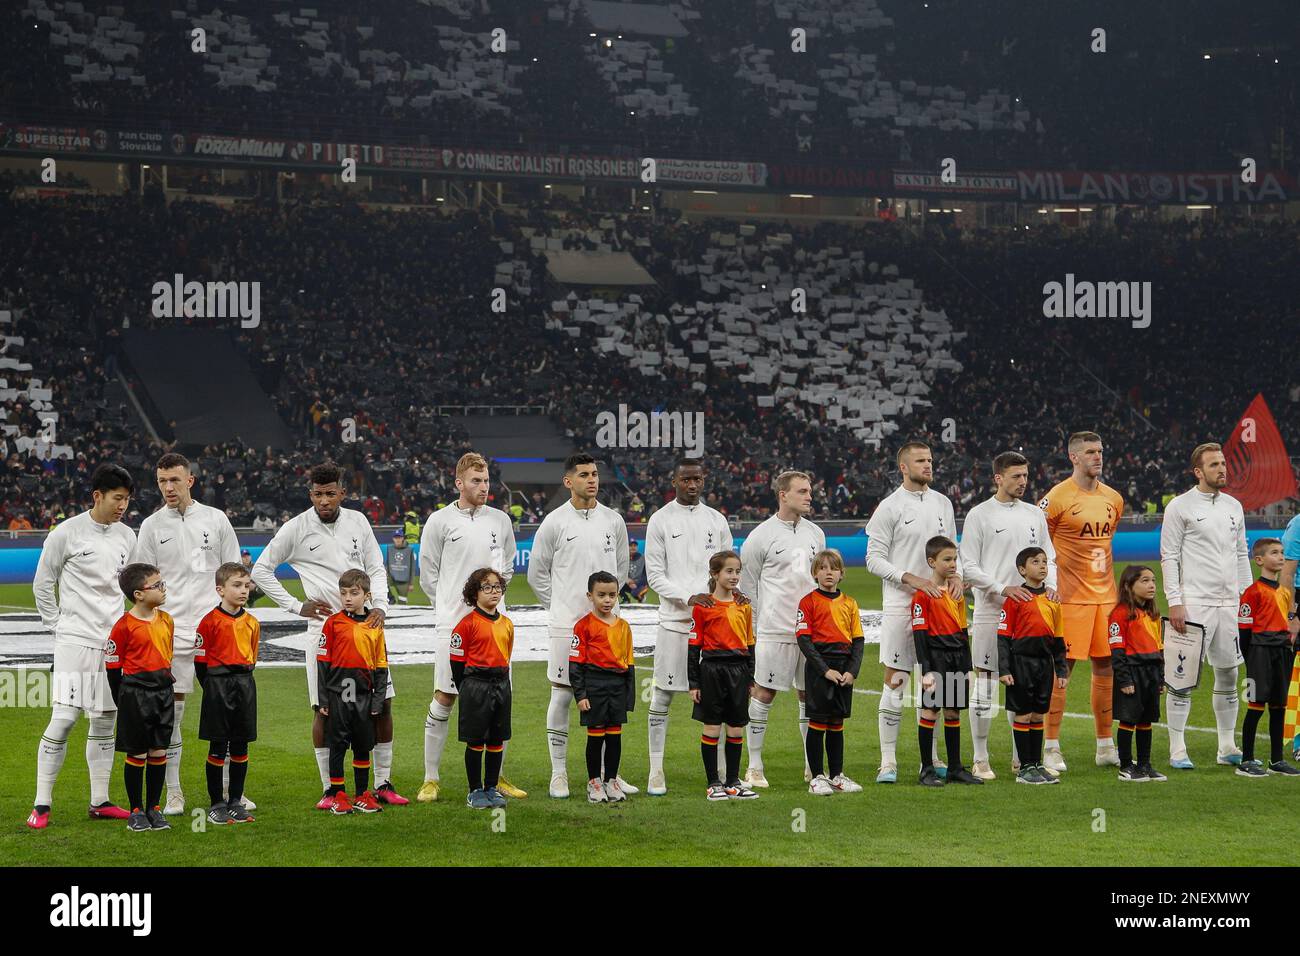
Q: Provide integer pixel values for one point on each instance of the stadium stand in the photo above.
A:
(382, 317)
(892, 81)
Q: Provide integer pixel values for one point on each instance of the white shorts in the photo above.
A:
(778, 665)
(671, 649)
(312, 672)
(896, 647)
(183, 642)
(557, 659)
(183, 670)
(984, 645)
(81, 681)
(1222, 644)
(443, 681)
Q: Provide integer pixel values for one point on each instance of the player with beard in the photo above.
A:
(187, 541)
(994, 532)
(320, 544)
(1082, 516)
(680, 539)
(457, 541)
(902, 523)
(1206, 568)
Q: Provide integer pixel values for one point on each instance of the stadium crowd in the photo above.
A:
(1045, 97)
(380, 317)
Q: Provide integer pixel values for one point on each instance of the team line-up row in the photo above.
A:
(770, 618)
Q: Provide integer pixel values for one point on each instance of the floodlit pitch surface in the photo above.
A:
(1203, 817)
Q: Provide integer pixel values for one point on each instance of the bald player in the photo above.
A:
(1082, 515)
(1206, 569)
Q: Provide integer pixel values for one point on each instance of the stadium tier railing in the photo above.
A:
(491, 409)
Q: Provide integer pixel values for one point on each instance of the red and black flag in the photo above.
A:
(1259, 470)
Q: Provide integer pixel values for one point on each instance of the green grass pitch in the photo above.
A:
(1206, 817)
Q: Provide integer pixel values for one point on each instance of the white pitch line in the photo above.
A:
(1206, 730)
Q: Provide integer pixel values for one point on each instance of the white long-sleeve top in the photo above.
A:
(84, 558)
(1203, 553)
(897, 532)
(776, 574)
(679, 541)
(992, 535)
(320, 552)
(187, 548)
(455, 543)
(569, 546)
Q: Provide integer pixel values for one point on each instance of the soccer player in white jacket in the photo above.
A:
(187, 541)
(1206, 568)
(897, 532)
(680, 538)
(994, 532)
(456, 541)
(83, 556)
(776, 574)
(320, 544)
(575, 540)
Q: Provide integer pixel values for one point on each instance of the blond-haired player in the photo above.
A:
(1082, 515)
(456, 541)
(776, 565)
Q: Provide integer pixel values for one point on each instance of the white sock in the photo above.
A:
(383, 763)
(100, 744)
(660, 701)
(981, 716)
(436, 723)
(50, 754)
(1225, 707)
(323, 765)
(1104, 743)
(803, 731)
(1178, 707)
(174, 750)
(557, 729)
(225, 777)
(889, 715)
(722, 756)
(756, 730)
(1052, 744)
